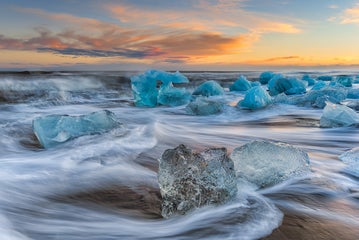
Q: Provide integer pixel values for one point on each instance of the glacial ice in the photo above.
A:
(209, 88)
(308, 79)
(319, 85)
(171, 96)
(336, 115)
(353, 93)
(352, 159)
(255, 98)
(266, 163)
(53, 130)
(190, 180)
(289, 86)
(144, 86)
(241, 84)
(346, 81)
(265, 77)
(317, 98)
(204, 106)
(325, 78)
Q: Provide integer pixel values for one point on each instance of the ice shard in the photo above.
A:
(53, 130)
(190, 180)
(336, 115)
(266, 163)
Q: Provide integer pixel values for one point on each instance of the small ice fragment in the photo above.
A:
(204, 106)
(267, 163)
(209, 88)
(265, 77)
(255, 98)
(53, 130)
(241, 84)
(171, 96)
(336, 115)
(190, 180)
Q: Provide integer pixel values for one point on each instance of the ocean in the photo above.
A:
(105, 186)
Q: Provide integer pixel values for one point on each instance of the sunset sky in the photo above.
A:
(184, 35)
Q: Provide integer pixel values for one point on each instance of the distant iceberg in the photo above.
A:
(53, 130)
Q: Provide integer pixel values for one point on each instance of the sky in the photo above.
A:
(178, 35)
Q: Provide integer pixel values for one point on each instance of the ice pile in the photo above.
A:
(255, 98)
(209, 88)
(265, 77)
(204, 106)
(336, 115)
(147, 93)
(289, 86)
(190, 180)
(53, 130)
(241, 84)
(266, 163)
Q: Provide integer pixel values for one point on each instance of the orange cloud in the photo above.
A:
(351, 15)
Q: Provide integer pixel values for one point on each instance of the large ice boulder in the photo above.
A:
(241, 84)
(255, 98)
(53, 130)
(336, 115)
(289, 86)
(209, 88)
(204, 106)
(171, 96)
(266, 163)
(265, 77)
(189, 180)
(145, 87)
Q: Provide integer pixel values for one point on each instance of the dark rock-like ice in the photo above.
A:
(336, 115)
(145, 89)
(266, 163)
(190, 180)
(289, 86)
(171, 96)
(209, 88)
(255, 98)
(53, 130)
(204, 106)
(265, 77)
(241, 84)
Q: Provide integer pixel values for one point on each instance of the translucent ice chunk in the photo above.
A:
(53, 130)
(241, 84)
(345, 80)
(319, 85)
(209, 88)
(170, 96)
(325, 78)
(144, 86)
(336, 115)
(308, 79)
(289, 86)
(190, 180)
(317, 98)
(204, 106)
(268, 163)
(265, 77)
(255, 98)
(352, 159)
(353, 93)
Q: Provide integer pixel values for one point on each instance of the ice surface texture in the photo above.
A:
(336, 115)
(53, 130)
(204, 106)
(267, 163)
(255, 98)
(241, 84)
(146, 92)
(209, 88)
(289, 86)
(190, 180)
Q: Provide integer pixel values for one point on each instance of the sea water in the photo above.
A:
(105, 186)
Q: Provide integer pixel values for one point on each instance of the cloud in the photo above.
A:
(280, 58)
(351, 15)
